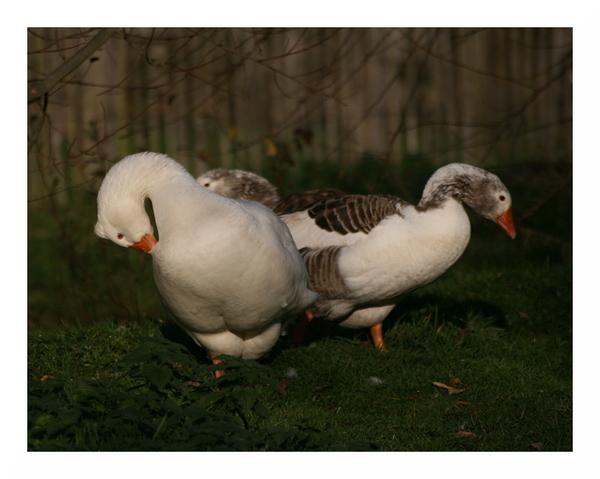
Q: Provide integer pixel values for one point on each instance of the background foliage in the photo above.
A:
(362, 109)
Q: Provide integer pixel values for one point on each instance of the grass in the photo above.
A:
(499, 337)
(107, 372)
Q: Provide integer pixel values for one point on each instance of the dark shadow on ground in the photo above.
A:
(434, 310)
(438, 310)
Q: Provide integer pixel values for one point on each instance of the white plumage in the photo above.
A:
(227, 270)
(363, 253)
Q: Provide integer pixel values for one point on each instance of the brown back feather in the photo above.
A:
(354, 213)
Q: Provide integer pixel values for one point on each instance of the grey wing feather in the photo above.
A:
(325, 277)
(354, 213)
(302, 200)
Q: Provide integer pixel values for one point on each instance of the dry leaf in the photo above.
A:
(523, 315)
(414, 397)
(270, 148)
(450, 389)
(537, 445)
(456, 382)
(455, 391)
(282, 387)
(465, 434)
(49, 375)
(322, 388)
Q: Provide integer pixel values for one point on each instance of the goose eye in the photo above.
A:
(502, 198)
(120, 236)
(206, 185)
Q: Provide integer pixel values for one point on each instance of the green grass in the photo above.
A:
(106, 372)
(501, 336)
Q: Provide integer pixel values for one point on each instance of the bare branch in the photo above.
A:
(41, 88)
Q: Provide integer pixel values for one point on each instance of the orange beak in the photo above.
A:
(146, 243)
(507, 223)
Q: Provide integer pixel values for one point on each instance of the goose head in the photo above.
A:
(125, 226)
(122, 217)
(481, 190)
(239, 185)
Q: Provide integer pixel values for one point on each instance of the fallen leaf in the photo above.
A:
(455, 391)
(456, 382)
(465, 434)
(270, 148)
(282, 387)
(450, 389)
(322, 388)
(537, 445)
(440, 385)
(414, 397)
(49, 375)
(523, 315)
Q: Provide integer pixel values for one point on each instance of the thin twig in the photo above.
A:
(263, 62)
(43, 87)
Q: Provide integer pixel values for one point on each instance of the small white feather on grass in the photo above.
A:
(374, 381)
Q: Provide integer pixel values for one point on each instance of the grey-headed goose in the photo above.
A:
(363, 253)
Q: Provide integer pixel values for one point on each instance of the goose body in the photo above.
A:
(245, 185)
(364, 253)
(228, 271)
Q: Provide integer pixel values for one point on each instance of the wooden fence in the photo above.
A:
(236, 97)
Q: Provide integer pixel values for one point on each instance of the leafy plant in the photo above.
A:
(158, 399)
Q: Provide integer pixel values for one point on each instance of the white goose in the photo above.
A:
(227, 270)
(244, 185)
(363, 253)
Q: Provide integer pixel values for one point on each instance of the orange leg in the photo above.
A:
(305, 319)
(377, 335)
(218, 373)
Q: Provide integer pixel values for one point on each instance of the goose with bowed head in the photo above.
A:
(365, 252)
(228, 271)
